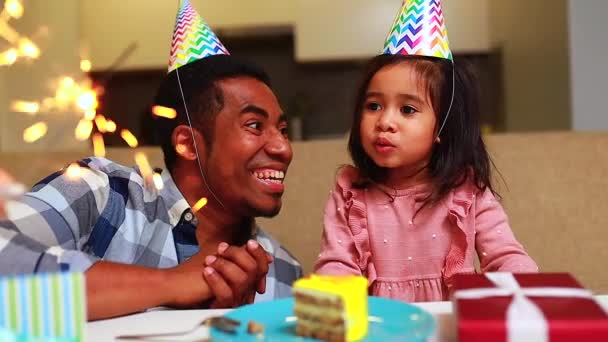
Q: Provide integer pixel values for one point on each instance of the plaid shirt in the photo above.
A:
(109, 213)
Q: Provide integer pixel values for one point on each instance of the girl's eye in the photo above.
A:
(408, 110)
(373, 106)
(255, 125)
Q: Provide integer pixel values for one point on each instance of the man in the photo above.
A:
(141, 247)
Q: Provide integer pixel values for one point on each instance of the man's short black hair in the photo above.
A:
(204, 98)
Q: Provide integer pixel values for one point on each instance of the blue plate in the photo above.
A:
(389, 320)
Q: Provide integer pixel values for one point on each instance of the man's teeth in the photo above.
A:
(273, 176)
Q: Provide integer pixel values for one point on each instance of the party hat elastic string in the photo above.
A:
(447, 115)
(193, 40)
(198, 159)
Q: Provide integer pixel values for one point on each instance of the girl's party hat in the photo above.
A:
(192, 38)
(419, 29)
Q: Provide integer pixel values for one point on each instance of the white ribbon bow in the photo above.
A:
(525, 320)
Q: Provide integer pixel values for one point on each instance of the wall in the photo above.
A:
(588, 51)
(350, 29)
(534, 56)
(532, 40)
(54, 26)
(4, 103)
(150, 25)
(324, 30)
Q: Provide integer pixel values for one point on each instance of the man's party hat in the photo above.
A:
(419, 29)
(192, 38)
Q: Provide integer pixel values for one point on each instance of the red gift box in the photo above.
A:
(526, 307)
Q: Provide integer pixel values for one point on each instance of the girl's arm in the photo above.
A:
(340, 252)
(496, 246)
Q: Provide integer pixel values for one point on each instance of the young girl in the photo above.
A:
(417, 204)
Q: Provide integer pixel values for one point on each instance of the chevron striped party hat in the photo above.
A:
(419, 29)
(192, 38)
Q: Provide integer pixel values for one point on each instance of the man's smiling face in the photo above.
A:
(250, 152)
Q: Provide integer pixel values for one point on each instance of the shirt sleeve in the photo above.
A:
(286, 270)
(283, 271)
(496, 245)
(340, 253)
(47, 229)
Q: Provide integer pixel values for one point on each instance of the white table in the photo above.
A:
(160, 321)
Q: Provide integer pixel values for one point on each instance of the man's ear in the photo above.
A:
(184, 146)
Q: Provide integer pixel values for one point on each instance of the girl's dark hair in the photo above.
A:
(204, 98)
(461, 156)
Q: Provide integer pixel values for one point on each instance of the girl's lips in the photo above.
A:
(384, 142)
(383, 145)
(384, 148)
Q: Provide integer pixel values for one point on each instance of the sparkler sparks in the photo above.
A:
(129, 138)
(35, 132)
(164, 112)
(200, 204)
(73, 171)
(70, 94)
(99, 148)
(20, 46)
(83, 130)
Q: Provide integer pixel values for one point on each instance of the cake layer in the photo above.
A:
(318, 315)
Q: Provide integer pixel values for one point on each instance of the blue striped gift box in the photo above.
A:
(43, 307)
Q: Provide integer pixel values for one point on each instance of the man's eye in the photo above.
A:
(255, 125)
(373, 106)
(285, 131)
(408, 110)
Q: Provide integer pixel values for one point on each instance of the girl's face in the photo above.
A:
(398, 122)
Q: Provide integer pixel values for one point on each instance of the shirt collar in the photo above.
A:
(174, 199)
(178, 206)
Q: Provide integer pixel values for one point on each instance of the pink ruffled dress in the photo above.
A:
(413, 257)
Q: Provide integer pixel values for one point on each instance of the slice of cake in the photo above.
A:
(331, 308)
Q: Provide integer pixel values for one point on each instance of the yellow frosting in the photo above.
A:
(353, 292)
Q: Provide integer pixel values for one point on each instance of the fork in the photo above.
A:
(222, 323)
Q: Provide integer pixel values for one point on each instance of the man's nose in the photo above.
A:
(278, 146)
